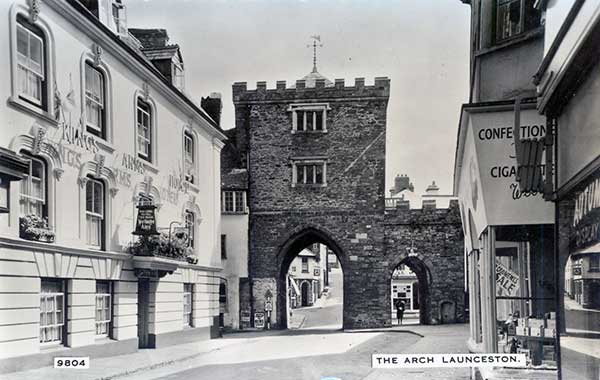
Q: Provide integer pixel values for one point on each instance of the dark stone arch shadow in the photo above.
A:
(418, 264)
(289, 248)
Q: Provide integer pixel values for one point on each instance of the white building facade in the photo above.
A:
(103, 131)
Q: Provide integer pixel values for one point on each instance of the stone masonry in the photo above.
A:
(348, 213)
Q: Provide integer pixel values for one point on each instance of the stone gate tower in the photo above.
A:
(315, 154)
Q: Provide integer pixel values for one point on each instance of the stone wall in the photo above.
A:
(348, 214)
(436, 239)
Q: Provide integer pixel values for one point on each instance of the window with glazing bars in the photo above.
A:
(94, 101)
(234, 201)
(190, 225)
(94, 210)
(187, 305)
(103, 308)
(514, 17)
(144, 130)
(310, 173)
(33, 189)
(31, 74)
(188, 151)
(52, 307)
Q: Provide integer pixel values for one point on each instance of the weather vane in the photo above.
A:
(314, 45)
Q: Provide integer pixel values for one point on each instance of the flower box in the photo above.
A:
(33, 227)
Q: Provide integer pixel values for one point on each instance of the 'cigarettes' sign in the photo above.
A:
(448, 360)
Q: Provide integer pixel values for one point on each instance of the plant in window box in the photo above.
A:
(34, 227)
(159, 245)
(190, 257)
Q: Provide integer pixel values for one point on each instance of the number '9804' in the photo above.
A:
(72, 362)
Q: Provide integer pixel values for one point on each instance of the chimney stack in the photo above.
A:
(212, 105)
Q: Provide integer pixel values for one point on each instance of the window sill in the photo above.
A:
(294, 132)
(105, 145)
(32, 110)
(309, 185)
(149, 166)
(234, 212)
(521, 38)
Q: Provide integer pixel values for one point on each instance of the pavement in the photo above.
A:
(315, 347)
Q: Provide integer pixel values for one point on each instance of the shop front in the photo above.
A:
(568, 80)
(509, 239)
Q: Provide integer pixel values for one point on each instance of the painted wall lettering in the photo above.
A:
(75, 136)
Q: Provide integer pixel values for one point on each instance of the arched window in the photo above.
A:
(95, 101)
(189, 153)
(144, 130)
(31, 63)
(95, 212)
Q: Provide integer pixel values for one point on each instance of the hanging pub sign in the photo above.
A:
(146, 220)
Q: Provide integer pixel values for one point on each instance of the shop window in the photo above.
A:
(594, 262)
(52, 311)
(309, 173)
(95, 101)
(103, 308)
(514, 17)
(187, 305)
(305, 265)
(34, 189)
(31, 65)
(525, 314)
(223, 246)
(95, 212)
(144, 131)
(190, 225)
(189, 156)
(234, 202)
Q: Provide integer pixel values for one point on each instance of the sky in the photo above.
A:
(421, 45)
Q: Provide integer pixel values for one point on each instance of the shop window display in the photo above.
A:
(525, 311)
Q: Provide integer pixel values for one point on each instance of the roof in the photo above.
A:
(235, 179)
(311, 79)
(144, 62)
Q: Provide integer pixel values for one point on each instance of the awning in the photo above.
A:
(296, 288)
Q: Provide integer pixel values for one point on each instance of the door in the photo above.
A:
(305, 293)
(143, 301)
(448, 312)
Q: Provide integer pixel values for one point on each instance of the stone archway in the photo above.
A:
(297, 241)
(424, 279)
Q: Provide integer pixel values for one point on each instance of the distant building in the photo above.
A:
(306, 277)
(403, 195)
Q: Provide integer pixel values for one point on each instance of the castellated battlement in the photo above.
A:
(299, 90)
(426, 215)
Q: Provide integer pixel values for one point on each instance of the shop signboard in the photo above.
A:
(585, 225)
(488, 172)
